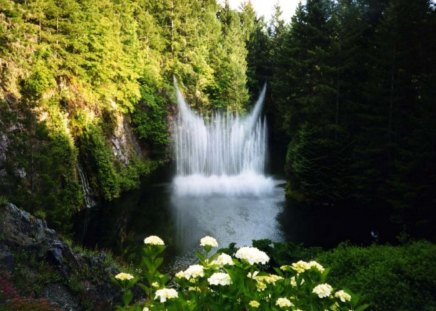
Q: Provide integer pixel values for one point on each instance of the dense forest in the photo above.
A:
(86, 89)
(353, 98)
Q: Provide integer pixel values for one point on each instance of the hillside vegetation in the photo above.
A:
(87, 85)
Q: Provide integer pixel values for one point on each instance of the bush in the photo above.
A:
(39, 81)
(244, 282)
(392, 278)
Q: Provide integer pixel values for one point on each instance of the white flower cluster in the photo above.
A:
(269, 279)
(284, 303)
(193, 272)
(317, 266)
(153, 240)
(252, 255)
(267, 285)
(254, 304)
(252, 275)
(302, 266)
(124, 276)
(180, 274)
(343, 296)
(220, 278)
(322, 290)
(208, 241)
(165, 294)
(223, 260)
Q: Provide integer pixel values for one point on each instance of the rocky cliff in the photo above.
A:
(40, 271)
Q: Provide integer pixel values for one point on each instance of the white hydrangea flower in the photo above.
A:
(153, 240)
(269, 279)
(317, 266)
(343, 296)
(208, 241)
(124, 276)
(180, 275)
(300, 266)
(220, 278)
(223, 260)
(252, 255)
(322, 290)
(284, 302)
(252, 275)
(260, 286)
(254, 304)
(165, 294)
(194, 271)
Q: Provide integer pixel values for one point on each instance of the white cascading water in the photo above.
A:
(86, 189)
(224, 154)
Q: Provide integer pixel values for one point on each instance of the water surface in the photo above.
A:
(181, 220)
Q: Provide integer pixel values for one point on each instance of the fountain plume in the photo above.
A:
(225, 154)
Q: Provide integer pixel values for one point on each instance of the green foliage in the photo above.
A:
(150, 120)
(39, 81)
(392, 278)
(283, 253)
(220, 282)
(107, 175)
(31, 275)
(312, 164)
(40, 165)
(129, 176)
(3, 200)
(101, 162)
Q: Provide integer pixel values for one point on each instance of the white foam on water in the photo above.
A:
(246, 183)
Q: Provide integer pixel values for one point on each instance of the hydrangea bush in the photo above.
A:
(243, 282)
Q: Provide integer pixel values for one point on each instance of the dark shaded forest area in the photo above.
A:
(352, 96)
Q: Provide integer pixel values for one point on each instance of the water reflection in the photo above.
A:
(181, 221)
(238, 219)
(121, 226)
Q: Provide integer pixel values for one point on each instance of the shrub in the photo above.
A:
(242, 282)
(392, 278)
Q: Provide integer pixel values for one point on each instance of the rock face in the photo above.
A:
(124, 142)
(87, 279)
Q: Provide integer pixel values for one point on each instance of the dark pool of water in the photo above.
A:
(181, 221)
(120, 226)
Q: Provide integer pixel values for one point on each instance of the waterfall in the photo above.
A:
(87, 193)
(222, 154)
